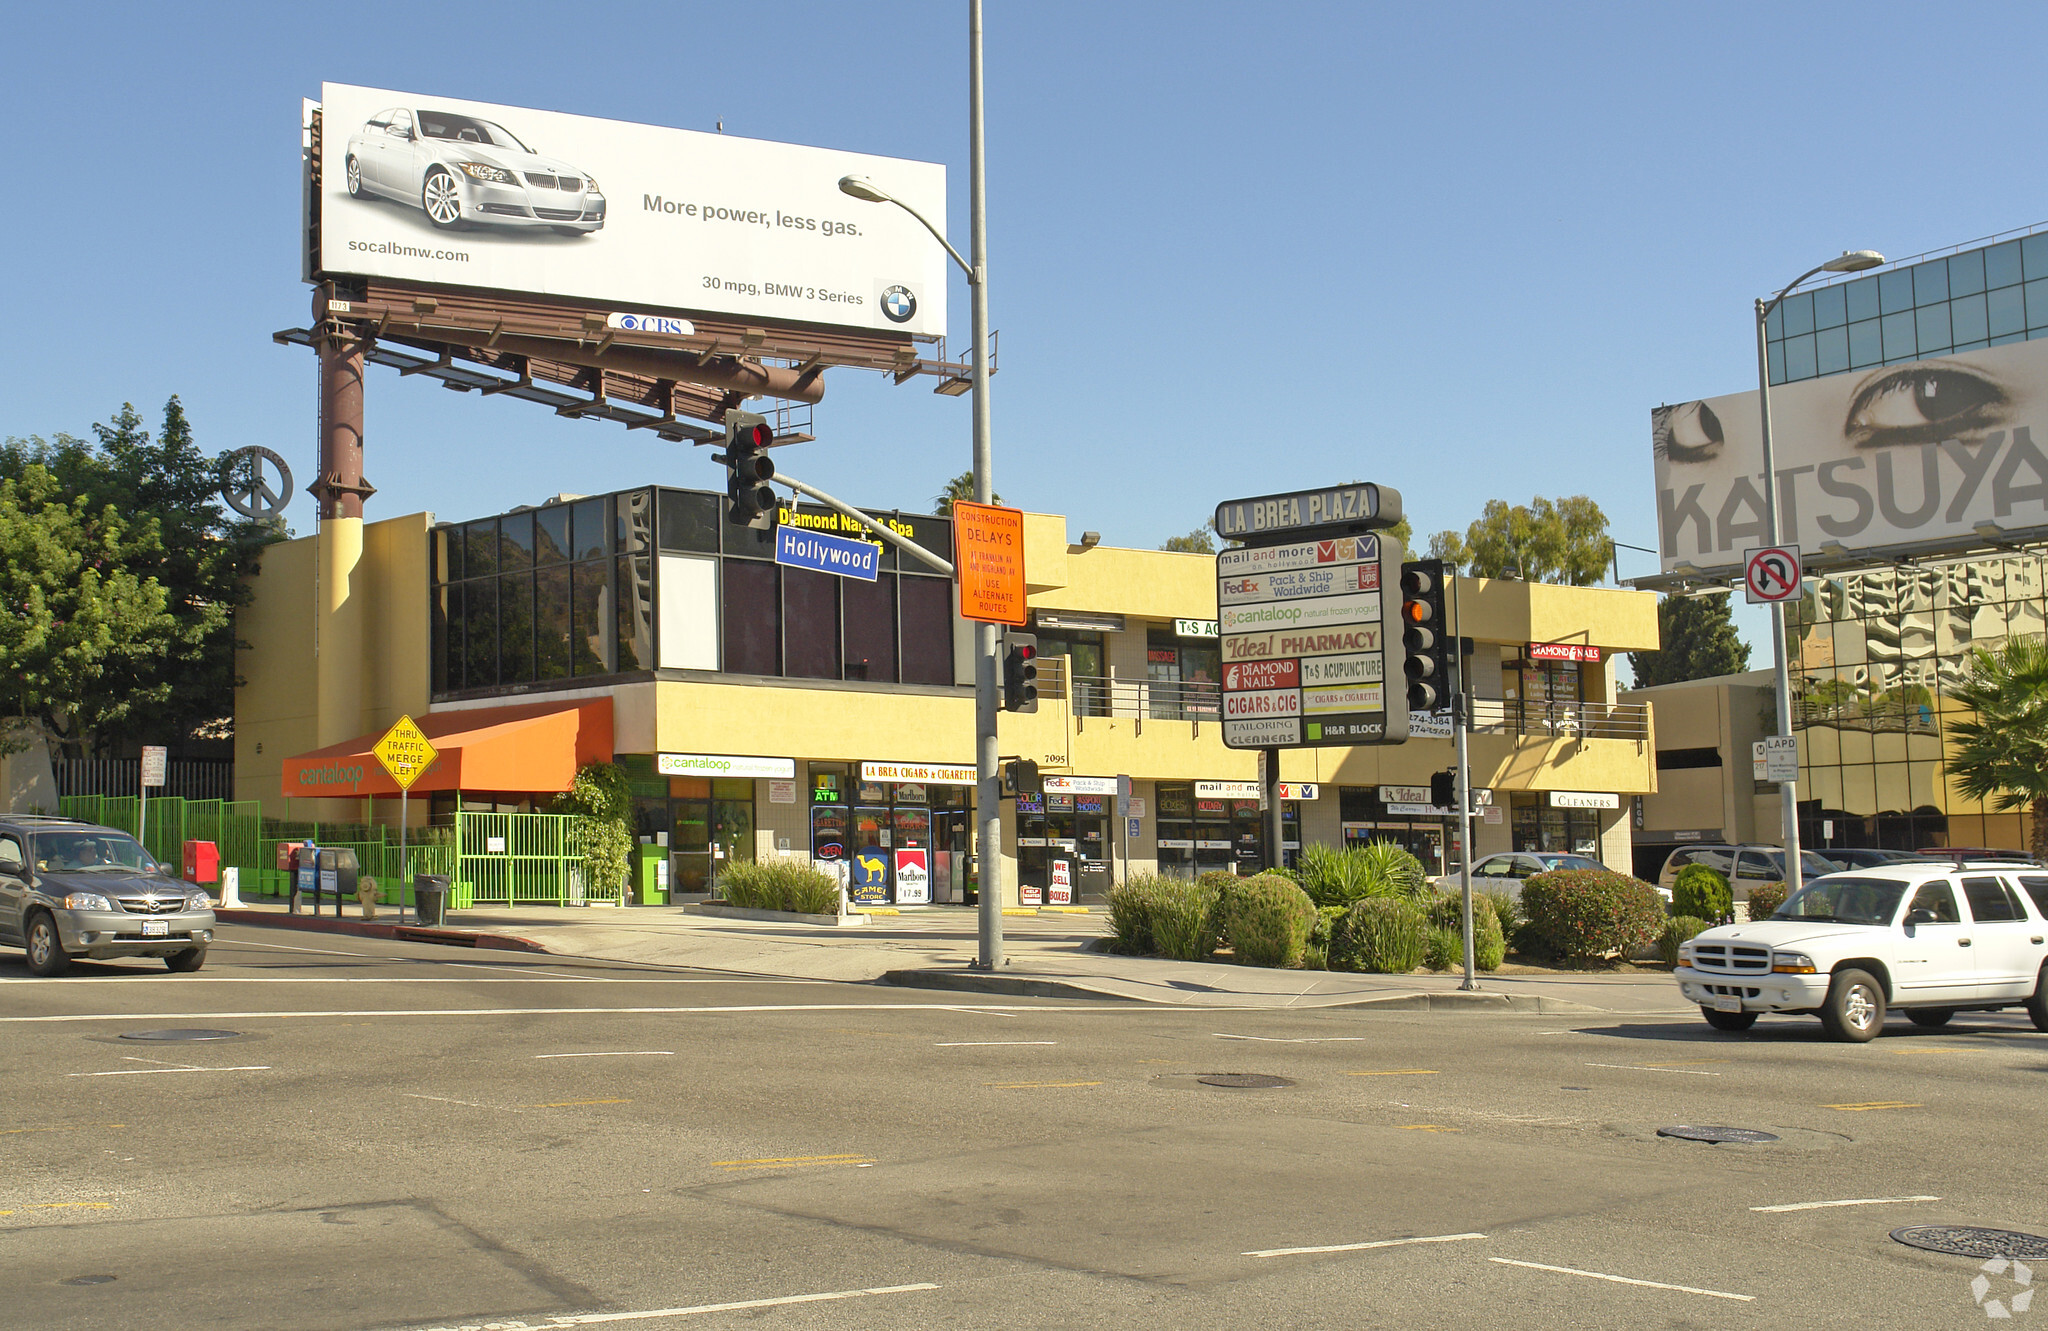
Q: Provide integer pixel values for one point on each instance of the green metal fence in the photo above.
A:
(509, 858)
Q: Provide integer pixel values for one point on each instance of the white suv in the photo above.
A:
(1929, 939)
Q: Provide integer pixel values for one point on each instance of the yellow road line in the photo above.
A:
(62, 1206)
(1878, 1104)
(1427, 1127)
(800, 1164)
(1396, 1072)
(791, 1159)
(1027, 1085)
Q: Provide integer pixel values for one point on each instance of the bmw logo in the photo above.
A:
(898, 304)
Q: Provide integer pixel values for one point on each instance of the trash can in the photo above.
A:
(430, 898)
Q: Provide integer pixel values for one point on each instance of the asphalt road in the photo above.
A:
(404, 1135)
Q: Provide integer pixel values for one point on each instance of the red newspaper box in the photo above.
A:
(202, 862)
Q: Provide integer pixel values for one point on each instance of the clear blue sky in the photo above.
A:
(1458, 249)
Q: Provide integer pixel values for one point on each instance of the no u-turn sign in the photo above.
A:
(1771, 574)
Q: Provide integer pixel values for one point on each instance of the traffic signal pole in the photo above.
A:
(1461, 728)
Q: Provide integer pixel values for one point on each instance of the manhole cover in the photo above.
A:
(184, 1035)
(1969, 1241)
(88, 1280)
(1688, 1132)
(1256, 1081)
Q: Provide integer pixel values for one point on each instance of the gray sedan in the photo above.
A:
(463, 170)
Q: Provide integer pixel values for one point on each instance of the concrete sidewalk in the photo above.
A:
(1046, 955)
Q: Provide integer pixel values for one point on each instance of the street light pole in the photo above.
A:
(988, 849)
(1851, 261)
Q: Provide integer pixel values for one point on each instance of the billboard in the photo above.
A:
(452, 192)
(1903, 454)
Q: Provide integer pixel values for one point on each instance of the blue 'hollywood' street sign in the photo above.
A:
(827, 554)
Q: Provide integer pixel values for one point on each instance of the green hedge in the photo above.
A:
(1153, 915)
(1678, 930)
(1268, 921)
(1764, 899)
(1701, 893)
(1381, 935)
(1589, 914)
(779, 885)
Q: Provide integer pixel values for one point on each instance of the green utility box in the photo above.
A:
(650, 874)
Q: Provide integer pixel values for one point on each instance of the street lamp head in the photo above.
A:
(860, 187)
(1852, 261)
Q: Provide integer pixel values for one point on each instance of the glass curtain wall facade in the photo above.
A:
(1979, 298)
(1874, 656)
(572, 591)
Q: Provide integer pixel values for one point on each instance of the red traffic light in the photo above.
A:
(756, 435)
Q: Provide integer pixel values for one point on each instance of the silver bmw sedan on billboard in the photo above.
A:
(464, 170)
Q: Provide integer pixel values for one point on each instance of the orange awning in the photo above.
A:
(530, 749)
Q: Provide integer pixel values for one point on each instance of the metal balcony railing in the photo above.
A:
(1561, 720)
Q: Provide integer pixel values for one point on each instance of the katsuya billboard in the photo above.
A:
(1913, 454)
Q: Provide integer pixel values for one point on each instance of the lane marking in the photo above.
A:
(611, 1053)
(1650, 1067)
(651, 1011)
(1877, 1104)
(1396, 1072)
(1427, 1127)
(595, 1319)
(145, 1072)
(90, 1127)
(1624, 1280)
(1360, 1247)
(286, 947)
(61, 1206)
(792, 1159)
(1030, 1085)
(795, 1162)
(1274, 1039)
(442, 1099)
(1683, 1062)
(986, 1044)
(1853, 1201)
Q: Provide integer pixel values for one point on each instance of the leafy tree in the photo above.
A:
(1699, 641)
(82, 624)
(1558, 541)
(1196, 542)
(201, 561)
(959, 488)
(2000, 753)
(602, 799)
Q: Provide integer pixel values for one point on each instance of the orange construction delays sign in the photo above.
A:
(988, 554)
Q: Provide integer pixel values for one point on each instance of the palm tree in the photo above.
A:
(960, 487)
(2001, 752)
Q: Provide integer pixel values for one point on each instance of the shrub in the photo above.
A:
(1268, 920)
(1489, 946)
(1764, 899)
(1678, 929)
(1701, 893)
(779, 885)
(1184, 918)
(1131, 905)
(1317, 956)
(1592, 913)
(1444, 949)
(1382, 935)
(1334, 877)
(1507, 915)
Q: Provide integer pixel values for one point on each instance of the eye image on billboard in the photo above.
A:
(463, 170)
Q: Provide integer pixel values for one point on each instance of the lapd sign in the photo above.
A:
(432, 189)
(1306, 625)
(1920, 455)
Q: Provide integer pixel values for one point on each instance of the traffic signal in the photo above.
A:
(1443, 789)
(1020, 672)
(1020, 777)
(1425, 643)
(746, 488)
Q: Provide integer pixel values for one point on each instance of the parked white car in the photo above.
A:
(1929, 939)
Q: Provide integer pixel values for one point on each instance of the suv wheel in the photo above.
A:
(45, 948)
(1729, 1021)
(191, 959)
(1930, 1017)
(1854, 1010)
(2037, 1006)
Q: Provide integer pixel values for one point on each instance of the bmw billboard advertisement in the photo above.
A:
(439, 190)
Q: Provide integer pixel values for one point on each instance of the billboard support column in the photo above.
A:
(339, 490)
(1276, 824)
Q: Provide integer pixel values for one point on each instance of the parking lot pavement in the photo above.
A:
(402, 1135)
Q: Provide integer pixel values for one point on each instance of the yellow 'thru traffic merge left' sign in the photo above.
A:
(405, 752)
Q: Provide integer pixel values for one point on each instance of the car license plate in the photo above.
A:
(1727, 1002)
(156, 928)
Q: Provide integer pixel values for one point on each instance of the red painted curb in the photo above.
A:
(368, 929)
